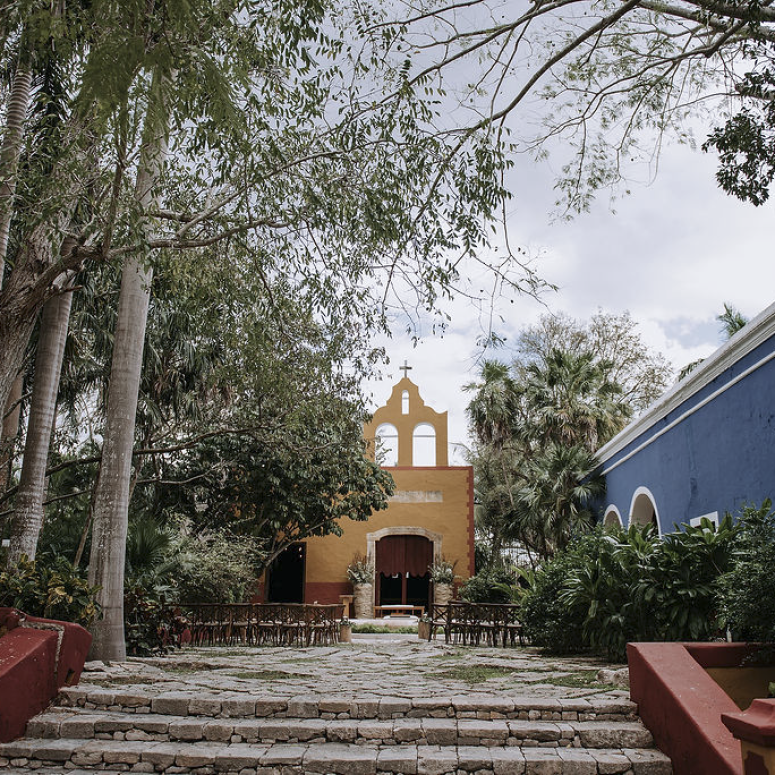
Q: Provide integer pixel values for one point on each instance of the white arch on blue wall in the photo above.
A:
(639, 498)
(612, 517)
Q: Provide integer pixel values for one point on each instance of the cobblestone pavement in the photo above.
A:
(377, 665)
(383, 705)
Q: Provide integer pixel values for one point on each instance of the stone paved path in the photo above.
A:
(384, 704)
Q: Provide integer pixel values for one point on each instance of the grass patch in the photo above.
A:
(382, 629)
(187, 669)
(474, 674)
(586, 679)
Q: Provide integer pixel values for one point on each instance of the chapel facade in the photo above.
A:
(430, 517)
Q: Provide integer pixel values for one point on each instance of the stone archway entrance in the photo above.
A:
(401, 564)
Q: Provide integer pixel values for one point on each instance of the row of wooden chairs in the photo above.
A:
(474, 624)
(272, 624)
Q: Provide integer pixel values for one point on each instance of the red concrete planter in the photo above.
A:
(682, 704)
(37, 658)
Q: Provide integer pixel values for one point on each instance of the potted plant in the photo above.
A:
(345, 631)
(442, 575)
(361, 575)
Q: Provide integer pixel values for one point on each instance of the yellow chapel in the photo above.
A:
(430, 517)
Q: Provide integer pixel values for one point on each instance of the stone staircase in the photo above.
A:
(134, 729)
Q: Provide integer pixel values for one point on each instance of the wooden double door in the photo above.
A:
(401, 570)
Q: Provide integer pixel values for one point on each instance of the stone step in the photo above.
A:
(83, 725)
(95, 756)
(243, 705)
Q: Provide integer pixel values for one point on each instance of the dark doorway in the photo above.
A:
(402, 570)
(390, 589)
(286, 576)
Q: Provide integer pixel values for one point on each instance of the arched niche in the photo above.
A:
(643, 509)
(424, 445)
(387, 444)
(612, 518)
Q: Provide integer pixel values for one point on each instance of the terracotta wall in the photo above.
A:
(37, 658)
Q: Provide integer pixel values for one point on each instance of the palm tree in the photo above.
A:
(571, 401)
(27, 518)
(553, 504)
(732, 320)
(495, 404)
(492, 413)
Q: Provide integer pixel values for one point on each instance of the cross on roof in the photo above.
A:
(406, 368)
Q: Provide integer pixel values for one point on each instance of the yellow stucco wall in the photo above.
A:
(446, 511)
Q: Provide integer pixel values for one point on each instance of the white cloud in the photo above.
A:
(671, 254)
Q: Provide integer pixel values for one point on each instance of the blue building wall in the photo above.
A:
(708, 445)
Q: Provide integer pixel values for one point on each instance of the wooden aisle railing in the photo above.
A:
(474, 624)
(271, 624)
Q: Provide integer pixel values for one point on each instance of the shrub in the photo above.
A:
(54, 590)
(151, 622)
(216, 566)
(549, 623)
(602, 571)
(492, 585)
(679, 583)
(747, 591)
(611, 588)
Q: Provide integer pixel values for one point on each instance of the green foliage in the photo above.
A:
(442, 572)
(374, 629)
(492, 585)
(359, 571)
(611, 588)
(679, 580)
(748, 589)
(549, 623)
(151, 623)
(746, 142)
(538, 423)
(54, 590)
(216, 566)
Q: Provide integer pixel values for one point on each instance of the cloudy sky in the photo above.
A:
(671, 254)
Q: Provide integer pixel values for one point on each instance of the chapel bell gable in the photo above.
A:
(407, 432)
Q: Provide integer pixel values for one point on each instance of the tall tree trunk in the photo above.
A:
(27, 519)
(111, 501)
(41, 264)
(9, 431)
(18, 105)
(25, 294)
(16, 114)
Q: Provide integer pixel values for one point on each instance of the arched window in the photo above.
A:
(643, 510)
(612, 517)
(387, 445)
(424, 445)
(405, 402)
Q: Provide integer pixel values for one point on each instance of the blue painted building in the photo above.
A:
(707, 446)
